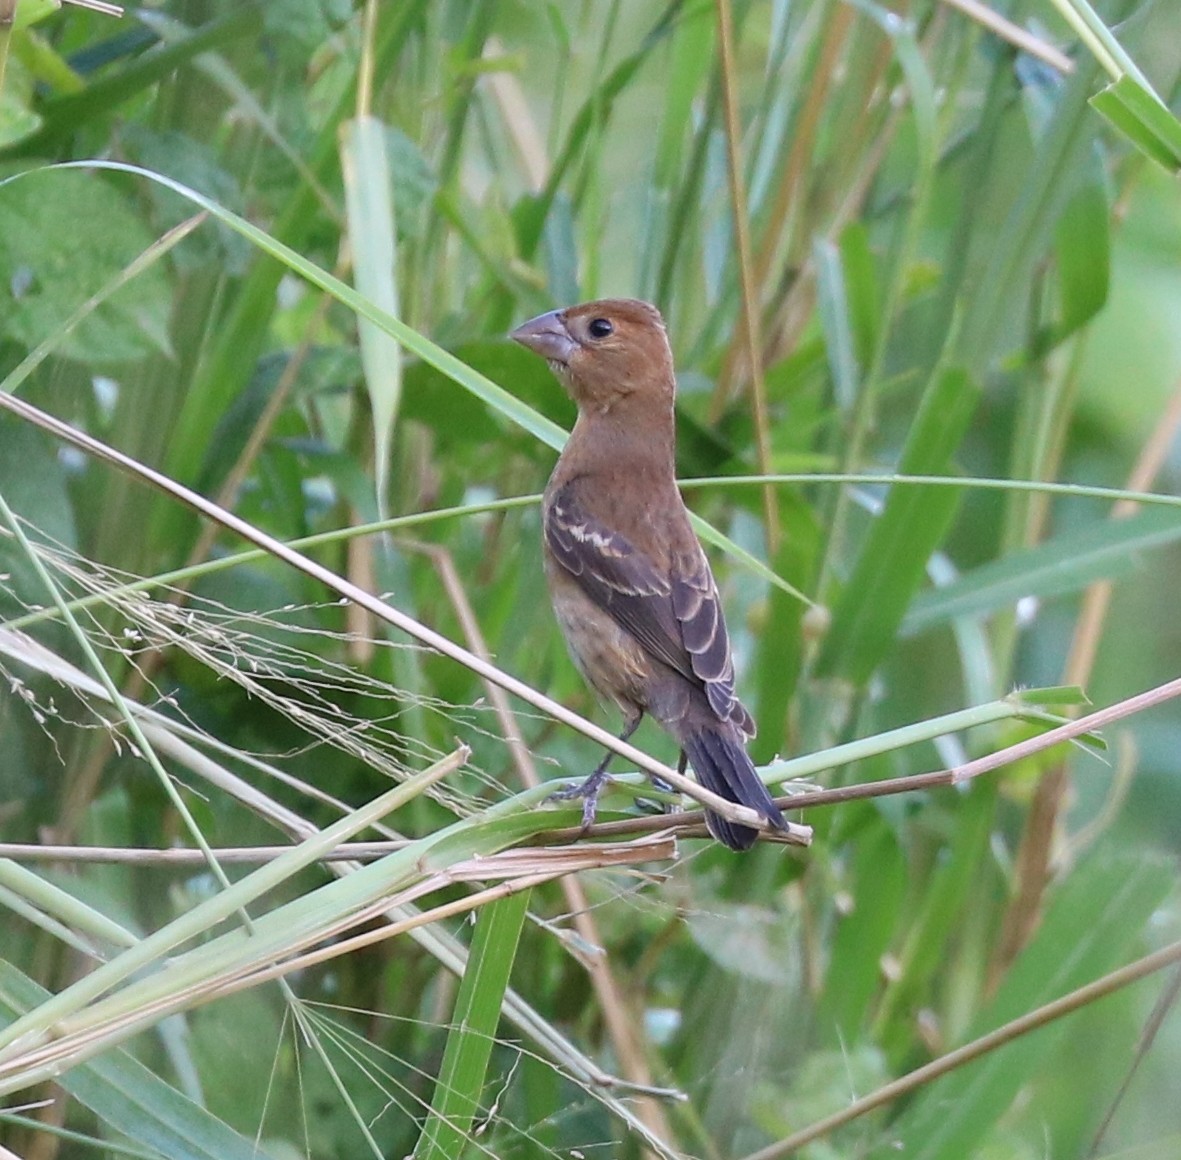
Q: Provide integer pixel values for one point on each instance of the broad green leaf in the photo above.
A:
(1016, 249)
(129, 1099)
(863, 296)
(892, 561)
(876, 887)
(1095, 921)
(45, 65)
(1082, 246)
(833, 306)
(370, 206)
(939, 917)
(560, 247)
(1065, 564)
(780, 644)
(17, 120)
(33, 483)
(30, 11)
(52, 266)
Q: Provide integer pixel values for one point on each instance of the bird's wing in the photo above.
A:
(676, 616)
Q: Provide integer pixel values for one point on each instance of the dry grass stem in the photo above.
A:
(751, 311)
(79, 1036)
(1001, 26)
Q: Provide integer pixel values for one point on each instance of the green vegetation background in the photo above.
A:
(951, 265)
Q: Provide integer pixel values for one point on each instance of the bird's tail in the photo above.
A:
(722, 764)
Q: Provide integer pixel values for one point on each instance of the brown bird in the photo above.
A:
(631, 587)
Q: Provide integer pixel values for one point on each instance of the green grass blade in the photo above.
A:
(1140, 117)
(477, 1013)
(892, 561)
(1094, 921)
(1065, 564)
(128, 1098)
(832, 304)
(370, 205)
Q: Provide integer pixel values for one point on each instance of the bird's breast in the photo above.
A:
(610, 659)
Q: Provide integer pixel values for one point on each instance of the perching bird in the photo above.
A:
(631, 587)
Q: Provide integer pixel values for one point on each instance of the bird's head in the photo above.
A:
(604, 352)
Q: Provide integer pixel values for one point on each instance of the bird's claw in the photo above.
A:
(589, 791)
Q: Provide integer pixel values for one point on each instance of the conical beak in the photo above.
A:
(547, 336)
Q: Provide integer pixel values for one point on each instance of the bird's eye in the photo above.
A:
(599, 328)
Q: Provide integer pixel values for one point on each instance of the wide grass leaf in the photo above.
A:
(129, 1099)
(893, 559)
(473, 1030)
(50, 267)
(1065, 564)
(1094, 922)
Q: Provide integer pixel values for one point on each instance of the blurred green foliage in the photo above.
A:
(960, 269)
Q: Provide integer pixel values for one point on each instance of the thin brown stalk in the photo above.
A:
(1000, 26)
(945, 1064)
(789, 191)
(792, 186)
(751, 313)
(456, 593)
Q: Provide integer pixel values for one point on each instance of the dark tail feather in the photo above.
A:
(723, 765)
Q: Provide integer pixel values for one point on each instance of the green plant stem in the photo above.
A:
(62, 905)
(1099, 41)
(469, 1043)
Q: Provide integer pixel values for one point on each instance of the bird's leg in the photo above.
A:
(590, 789)
(662, 785)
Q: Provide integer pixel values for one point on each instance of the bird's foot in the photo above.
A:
(589, 791)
